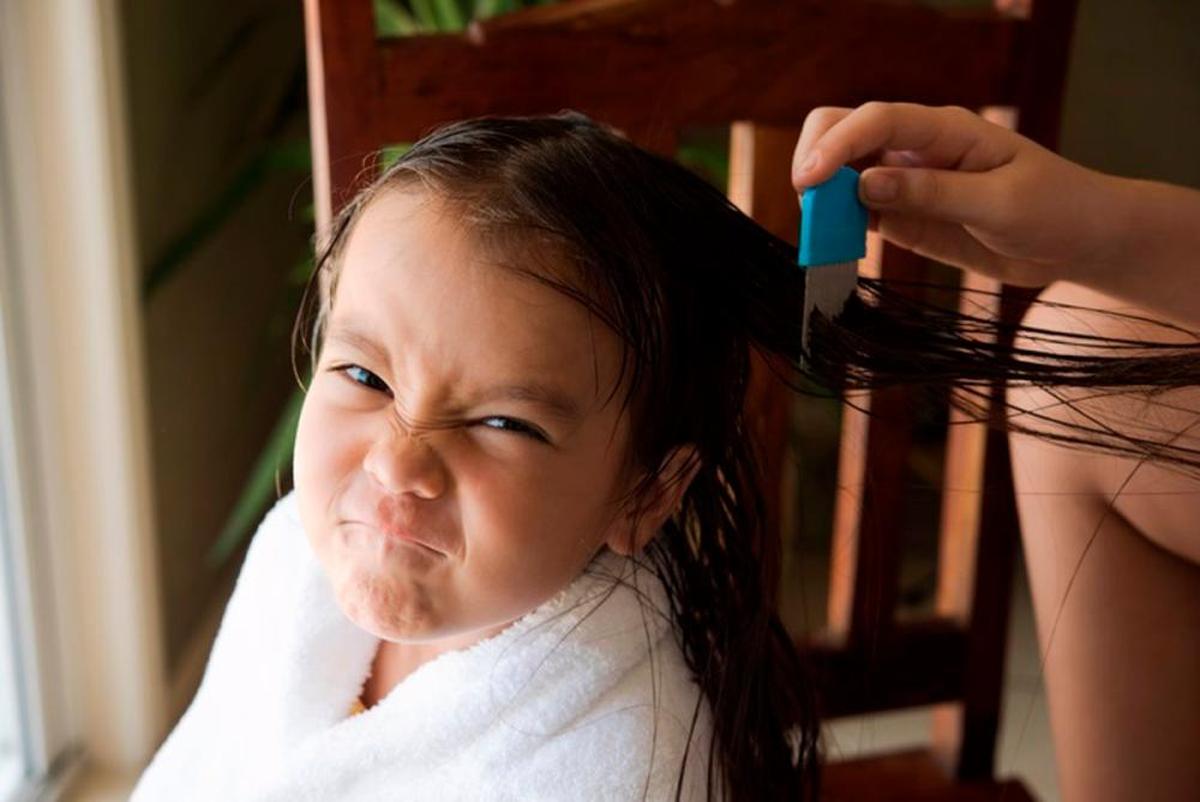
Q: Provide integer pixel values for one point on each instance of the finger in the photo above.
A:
(941, 137)
(902, 158)
(936, 239)
(817, 122)
(953, 245)
(948, 195)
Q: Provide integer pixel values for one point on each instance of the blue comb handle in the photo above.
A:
(833, 223)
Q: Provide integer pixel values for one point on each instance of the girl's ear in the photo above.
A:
(642, 523)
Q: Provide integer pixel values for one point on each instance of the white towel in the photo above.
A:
(585, 697)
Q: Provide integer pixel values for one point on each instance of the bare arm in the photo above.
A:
(1154, 260)
(1113, 556)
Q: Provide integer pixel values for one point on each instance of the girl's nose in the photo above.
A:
(403, 462)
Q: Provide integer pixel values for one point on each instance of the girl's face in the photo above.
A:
(455, 460)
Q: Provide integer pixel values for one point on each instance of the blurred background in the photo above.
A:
(156, 220)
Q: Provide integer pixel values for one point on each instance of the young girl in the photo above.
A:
(524, 533)
(524, 554)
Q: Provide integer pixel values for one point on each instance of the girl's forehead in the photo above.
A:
(414, 281)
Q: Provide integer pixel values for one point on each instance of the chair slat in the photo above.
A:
(919, 663)
(763, 191)
(667, 60)
(684, 58)
(869, 510)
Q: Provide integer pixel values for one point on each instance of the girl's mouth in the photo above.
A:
(399, 535)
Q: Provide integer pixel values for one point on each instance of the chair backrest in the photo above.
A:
(652, 67)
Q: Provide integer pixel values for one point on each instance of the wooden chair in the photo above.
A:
(651, 67)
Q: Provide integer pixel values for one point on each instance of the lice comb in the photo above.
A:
(833, 237)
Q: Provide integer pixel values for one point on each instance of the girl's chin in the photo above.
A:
(383, 625)
(387, 608)
(379, 629)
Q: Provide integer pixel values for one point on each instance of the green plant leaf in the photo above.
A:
(711, 160)
(389, 153)
(290, 156)
(484, 9)
(392, 19)
(425, 14)
(450, 15)
(259, 490)
(301, 271)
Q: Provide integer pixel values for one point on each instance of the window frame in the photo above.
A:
(28, 607)
(77, 526)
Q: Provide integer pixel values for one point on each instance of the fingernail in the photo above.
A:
(810, 162)
(880, 187)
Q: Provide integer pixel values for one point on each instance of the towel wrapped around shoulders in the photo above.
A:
(586, 697)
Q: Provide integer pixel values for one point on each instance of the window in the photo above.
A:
(80, 654)
(35, 744)
(14, 750)
(12, 746)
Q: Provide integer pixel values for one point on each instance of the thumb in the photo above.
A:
(949, 195)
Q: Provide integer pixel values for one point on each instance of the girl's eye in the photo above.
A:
(365, 378)
(362, 376)
(512, 425)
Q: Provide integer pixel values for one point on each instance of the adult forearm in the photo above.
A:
(1154, 258)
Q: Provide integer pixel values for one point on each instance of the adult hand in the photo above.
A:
(957, 188)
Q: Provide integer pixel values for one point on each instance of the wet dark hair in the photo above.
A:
(692, 287)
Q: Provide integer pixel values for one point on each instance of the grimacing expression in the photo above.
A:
(456, 462)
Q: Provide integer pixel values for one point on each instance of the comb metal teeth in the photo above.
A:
(826, 288)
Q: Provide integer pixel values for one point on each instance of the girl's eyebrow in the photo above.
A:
(553, 400)
(357, 339)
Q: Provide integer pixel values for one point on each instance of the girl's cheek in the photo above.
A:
(474, 453)
(302, 459)
(510, 488)
(324, 443)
